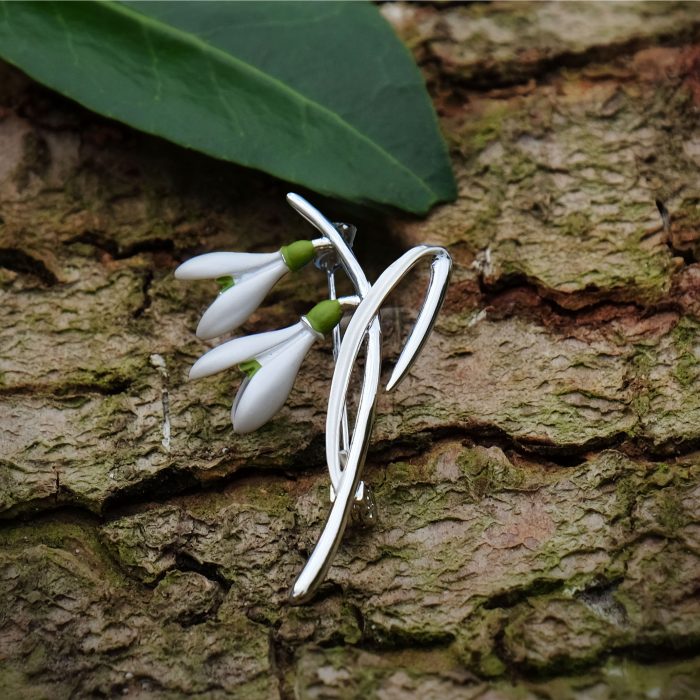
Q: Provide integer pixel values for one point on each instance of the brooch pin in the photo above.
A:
(270, 361)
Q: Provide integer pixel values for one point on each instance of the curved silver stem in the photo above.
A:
(365, 315)
(320, 560)
(336, 349)
(354, 334)
(347, 259)
(440, 269)
(362, 287)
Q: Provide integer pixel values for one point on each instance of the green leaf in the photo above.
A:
(322, 94)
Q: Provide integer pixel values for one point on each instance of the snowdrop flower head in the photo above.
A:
(244, 280)
(270, 361)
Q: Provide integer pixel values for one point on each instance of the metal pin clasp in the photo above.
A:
(364, 507)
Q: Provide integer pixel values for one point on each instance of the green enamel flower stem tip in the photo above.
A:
(249, 367)
(297, 254)
(225, 282)
(325, 316)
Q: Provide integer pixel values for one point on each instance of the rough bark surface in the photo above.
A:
(536, 474)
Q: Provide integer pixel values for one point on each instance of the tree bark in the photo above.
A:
(536, 473)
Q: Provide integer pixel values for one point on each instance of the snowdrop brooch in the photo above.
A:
(270, 361)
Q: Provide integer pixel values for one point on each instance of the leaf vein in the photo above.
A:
(306, 101)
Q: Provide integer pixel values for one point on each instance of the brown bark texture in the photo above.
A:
(536, 474)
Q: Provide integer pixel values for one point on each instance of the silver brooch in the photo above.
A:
(271, 360)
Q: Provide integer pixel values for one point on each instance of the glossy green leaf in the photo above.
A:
(322, 94)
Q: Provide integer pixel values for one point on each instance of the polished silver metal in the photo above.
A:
(346, 450)
(352, 268)
(357, 278)
(328, 262)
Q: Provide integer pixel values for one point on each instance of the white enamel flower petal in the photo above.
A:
(235, 305)
(239, 350)
(264, 394)
(213, 265)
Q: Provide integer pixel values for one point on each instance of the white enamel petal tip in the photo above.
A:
(239, 350)
(264, 395)
(213, 265)
(214, 361)
(233, 307)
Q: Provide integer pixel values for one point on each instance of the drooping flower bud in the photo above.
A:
(244, 280)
